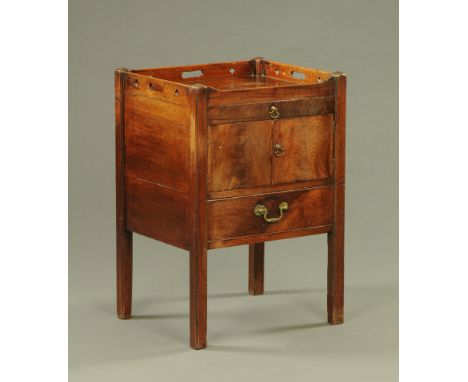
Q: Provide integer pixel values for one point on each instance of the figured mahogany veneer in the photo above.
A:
(242, 155)
(215, 155)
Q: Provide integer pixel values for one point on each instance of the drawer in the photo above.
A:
(269, 213)
(272, 110)
(264, 153)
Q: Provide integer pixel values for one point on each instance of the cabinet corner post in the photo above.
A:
(335, 272)
(198, 201)
(124, 242)
(258, 66)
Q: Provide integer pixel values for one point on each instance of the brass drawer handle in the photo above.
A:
(278, 150)
(261, 210)
(274, 112)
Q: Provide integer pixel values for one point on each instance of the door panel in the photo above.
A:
(239, 155)
(303, 149)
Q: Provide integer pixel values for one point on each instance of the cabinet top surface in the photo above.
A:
(238, 75)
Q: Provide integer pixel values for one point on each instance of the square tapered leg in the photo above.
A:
(256, 268)
(198, 298)
(124, 273)
(335, 295)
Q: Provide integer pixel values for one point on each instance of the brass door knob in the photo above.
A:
(278, 150)
(261, 210)
(274, 112)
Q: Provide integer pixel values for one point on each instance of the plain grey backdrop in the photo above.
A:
(279, 336)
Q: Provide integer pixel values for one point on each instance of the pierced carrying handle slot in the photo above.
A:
(155, 87)
(298, 75)
(192, 74)
(261, 210)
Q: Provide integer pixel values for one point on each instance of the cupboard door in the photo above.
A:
(239, 155)
(302, 149)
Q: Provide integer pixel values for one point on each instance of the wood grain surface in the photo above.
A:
(308, 149)
(197, 148)
(335, 295)
(234, 217)
(124, 237)
(261, 111)
(239, 155)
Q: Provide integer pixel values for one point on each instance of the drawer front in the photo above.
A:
(272, 110)
(267, 214)
(264, 153)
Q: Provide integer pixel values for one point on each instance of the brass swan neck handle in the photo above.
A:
(262, 210)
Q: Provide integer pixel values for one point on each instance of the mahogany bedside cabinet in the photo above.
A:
(216, 155)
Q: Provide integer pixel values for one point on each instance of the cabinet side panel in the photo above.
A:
(157, 212)
(157, 141)
(157, 153)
